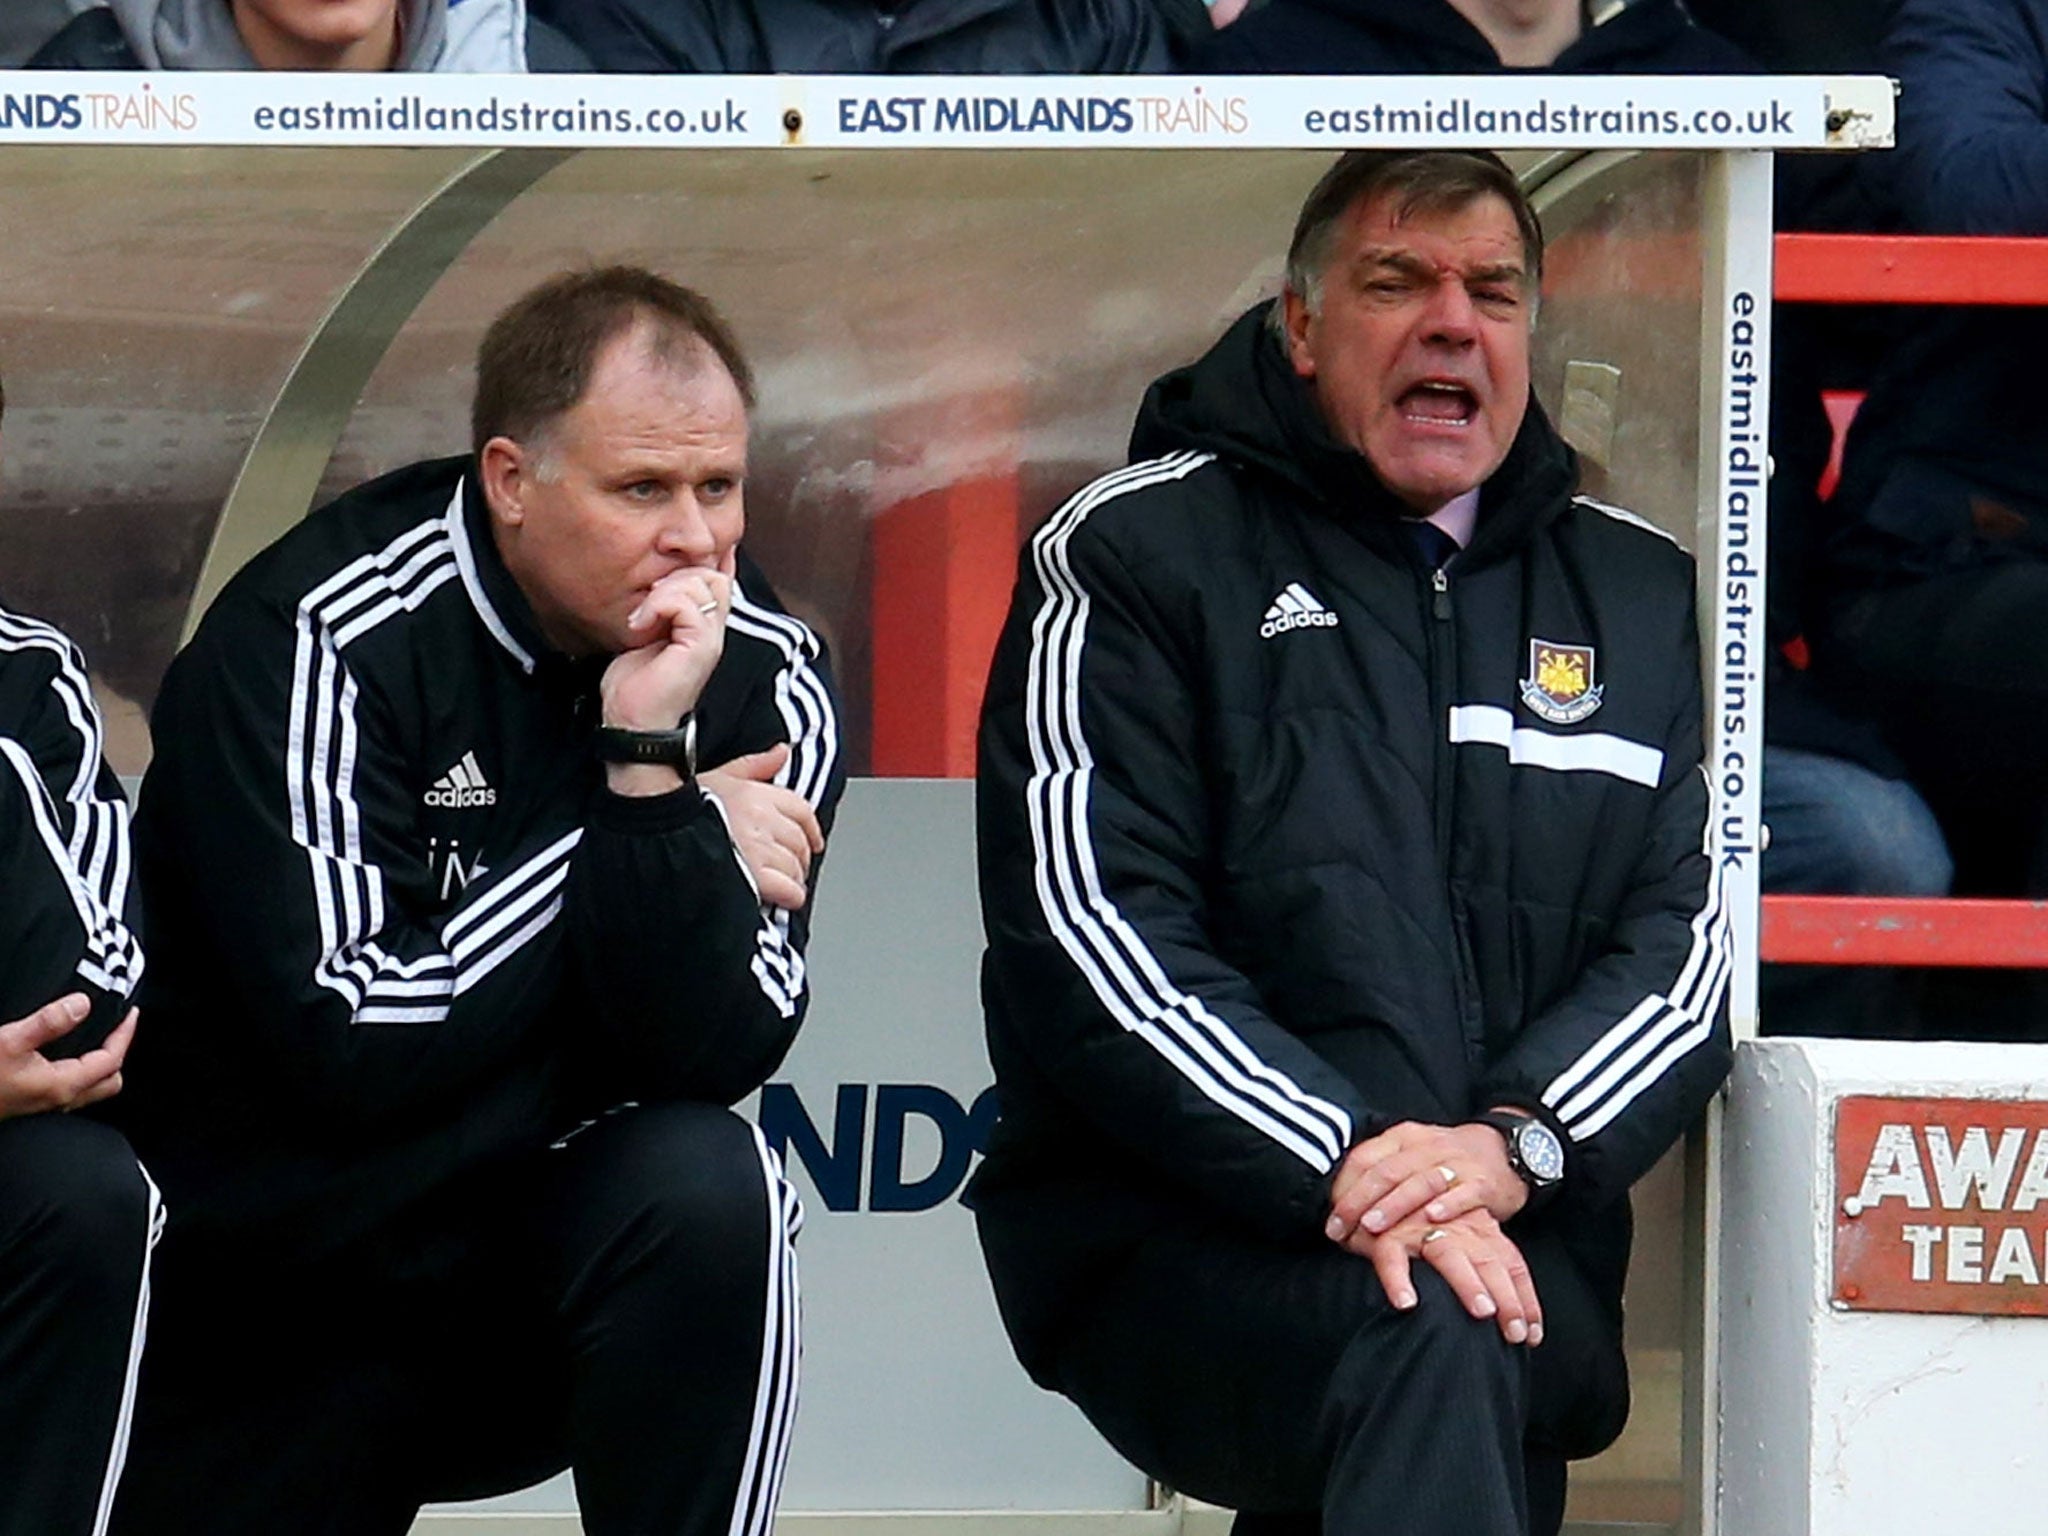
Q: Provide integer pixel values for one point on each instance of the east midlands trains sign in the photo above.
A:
(735, 111)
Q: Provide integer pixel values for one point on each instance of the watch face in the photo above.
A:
(1541, 1152)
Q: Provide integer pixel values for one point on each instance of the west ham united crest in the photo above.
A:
(1560, 686)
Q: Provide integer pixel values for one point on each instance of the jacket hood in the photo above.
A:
(438, 35)
(1244, 403)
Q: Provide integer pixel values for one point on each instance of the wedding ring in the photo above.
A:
(708, 607)
(1450, 1174)
(1432, 1235)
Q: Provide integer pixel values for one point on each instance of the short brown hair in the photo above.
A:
(534, 362)
(1424, 181)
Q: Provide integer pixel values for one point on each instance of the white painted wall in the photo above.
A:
(1836, 1423)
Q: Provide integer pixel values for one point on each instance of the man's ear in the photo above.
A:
(504, 469)
(1294, 310)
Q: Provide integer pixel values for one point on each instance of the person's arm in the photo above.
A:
(68, 919)
(1973, 115)
(280, 827)
(1630, 1055)
(1102, 973)
(689, 935)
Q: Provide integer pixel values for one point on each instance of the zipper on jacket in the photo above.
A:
(1443, 682)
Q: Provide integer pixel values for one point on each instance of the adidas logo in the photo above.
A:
(462, 787)
(1295, 608)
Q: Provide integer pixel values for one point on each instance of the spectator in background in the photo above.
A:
(448, 36)
(1937, 571)
(867, 37)
(1189, 22)
(1800, 37)
(1465, 37)
(25, 25)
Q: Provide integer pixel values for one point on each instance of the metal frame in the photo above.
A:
(279, 475)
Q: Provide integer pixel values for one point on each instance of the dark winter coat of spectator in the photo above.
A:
(867, 37)
(1800, 37)
(446, 36)
(1938, 573)
(25, 25)
(1465, 37)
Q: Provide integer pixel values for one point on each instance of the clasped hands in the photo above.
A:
(774, 830)
(1440, 1193)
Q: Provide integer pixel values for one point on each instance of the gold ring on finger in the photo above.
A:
(1450, 1174)
(1432, 1235)
(708, 607)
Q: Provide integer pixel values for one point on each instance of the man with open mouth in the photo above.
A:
(1352, 943)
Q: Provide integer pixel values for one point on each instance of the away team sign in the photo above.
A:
(1941, 1205)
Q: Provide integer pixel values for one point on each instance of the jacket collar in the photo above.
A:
(492, 592)
(1243, 402)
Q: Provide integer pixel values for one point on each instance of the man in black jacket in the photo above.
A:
(1344, 868)
(866, 37)
(1468, 37)
(463, 961)
(77, 1216)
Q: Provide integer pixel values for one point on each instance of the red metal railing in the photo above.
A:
(1910, 269)
(1883, 930)
(1874, 930)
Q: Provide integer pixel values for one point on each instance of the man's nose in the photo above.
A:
(1452, 316)
(686, 533)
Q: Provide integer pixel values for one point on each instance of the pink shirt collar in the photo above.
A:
(1457, 516)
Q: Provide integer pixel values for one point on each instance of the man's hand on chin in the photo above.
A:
(652, 686)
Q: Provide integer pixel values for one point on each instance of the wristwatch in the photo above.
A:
(676, 749)
(1534, 1151)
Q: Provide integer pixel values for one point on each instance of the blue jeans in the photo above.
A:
(1838, 829)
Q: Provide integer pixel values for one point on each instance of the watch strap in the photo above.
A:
(675, 749)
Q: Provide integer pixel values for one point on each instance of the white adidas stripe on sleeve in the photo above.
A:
(1125, 976)
(805, 705)
(326, 820)
(1640, 1047)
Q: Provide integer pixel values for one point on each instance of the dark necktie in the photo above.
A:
(1434, 545)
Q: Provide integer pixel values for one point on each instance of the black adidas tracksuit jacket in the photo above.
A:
(406, 933)
(78, 1218)
(67, 921)
(1281, 842)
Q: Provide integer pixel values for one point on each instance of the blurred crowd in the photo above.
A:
(1908, 742)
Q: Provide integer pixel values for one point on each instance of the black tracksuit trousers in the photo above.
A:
(624, 1304)
(1280, 1382)
(76, 1219)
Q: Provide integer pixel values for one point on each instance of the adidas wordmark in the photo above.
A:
(462, 787)
(1295, 608)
